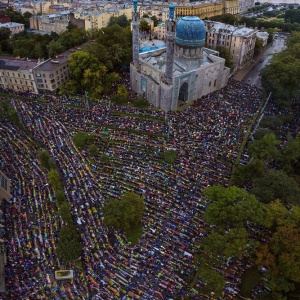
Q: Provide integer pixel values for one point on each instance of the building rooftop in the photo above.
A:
(154, 53)
(234, 30)
(11, 25)
(10, 63)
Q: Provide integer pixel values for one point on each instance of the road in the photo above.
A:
(252, 76)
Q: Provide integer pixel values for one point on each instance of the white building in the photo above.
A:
(13, 27)
(263, 35)
(244, 5)
(179, 70)
(240, 41)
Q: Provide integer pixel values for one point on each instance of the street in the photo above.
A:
(253, 77)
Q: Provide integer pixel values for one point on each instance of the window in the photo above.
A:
(39, 80)
(29, 76)
(19, 75)
(215, 83)
(44, 75)
(24, 75)
(210, 83)
(38, 75)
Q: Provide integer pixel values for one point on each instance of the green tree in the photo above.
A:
(228, 243)
(122, 21)
(245, 174)
(54, 179)
(124, 213)
(214, 282)
(290, 157)
(224, 53)
(4, 33)
(169, 156)
(44, 158)
(55, 48)
(81, 139)
(231, 207)
(60, 197)
(144, 26)
(155, 20)
(276, 215)
(68, 247)
(258, 46)
(93, 150)
(265, 149)
(122, 90)
(65, 212)
(276, 184)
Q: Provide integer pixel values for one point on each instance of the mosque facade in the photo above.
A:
(179, 70)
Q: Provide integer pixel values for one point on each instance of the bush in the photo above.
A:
(119, 99)
(81, 139)
(60, 197)
(140, 103)
(169, 156)
(44, 158)
(54, 179)
(65, 212)
(93, 150)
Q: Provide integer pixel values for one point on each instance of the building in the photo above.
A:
(17, 74)
(245, 5)
(52, 73)
(57, 22)
(264, 36)
(178, 71)
(239, 40)
(5, 18)
(13, 27)
(4, 194)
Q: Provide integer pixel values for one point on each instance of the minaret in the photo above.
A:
(135, 34)
(170, 24)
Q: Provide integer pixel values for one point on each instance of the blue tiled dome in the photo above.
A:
(190, 31)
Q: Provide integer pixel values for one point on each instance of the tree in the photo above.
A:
(265, 149)
(54, 179)
(124, 213)
(122, 90)
(155, 20)
(86, 70)
(55, 48)
(276, 184)
(65, 212)
(231, 207)
(4, 33)
(60, 197)
(122, 21)
(68, 246)
(228, 243)
(224, 53)
(276, 214)
(258, 46)
(93, 150)
(44, 158)
(144, 26)
(245, 174)
(82, 139)
(214, 282)
(290, 157)
(169, 156)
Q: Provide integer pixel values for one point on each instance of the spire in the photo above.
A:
(135, 5)
(170, 34)
(135, 33)
(171, 11)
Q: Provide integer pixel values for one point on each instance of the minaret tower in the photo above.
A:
(170, 25)
(135, 34)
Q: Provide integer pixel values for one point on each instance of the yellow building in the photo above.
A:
(97, 20)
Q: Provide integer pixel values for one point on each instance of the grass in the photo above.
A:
(76, 107)
(249, 279)
(134, 235)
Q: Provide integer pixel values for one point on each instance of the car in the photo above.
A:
(261, 60)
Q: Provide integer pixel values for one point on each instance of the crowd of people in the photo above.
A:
(206, 136)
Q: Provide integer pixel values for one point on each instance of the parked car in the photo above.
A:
(261, 60)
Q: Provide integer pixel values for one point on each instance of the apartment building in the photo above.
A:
(17, 74)
(246, 4)
(161, 13)
(57, 22)
(13, 27)
(52, 73)
(240, 41)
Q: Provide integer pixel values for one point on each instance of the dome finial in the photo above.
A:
(135, 5)
(171, 11)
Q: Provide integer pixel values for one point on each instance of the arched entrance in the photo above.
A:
(183, 93)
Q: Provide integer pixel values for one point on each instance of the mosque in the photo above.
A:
(179, 70)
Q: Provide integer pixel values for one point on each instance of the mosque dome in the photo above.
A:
(190, 32)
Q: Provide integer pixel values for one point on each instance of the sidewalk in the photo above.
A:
(240, 74)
